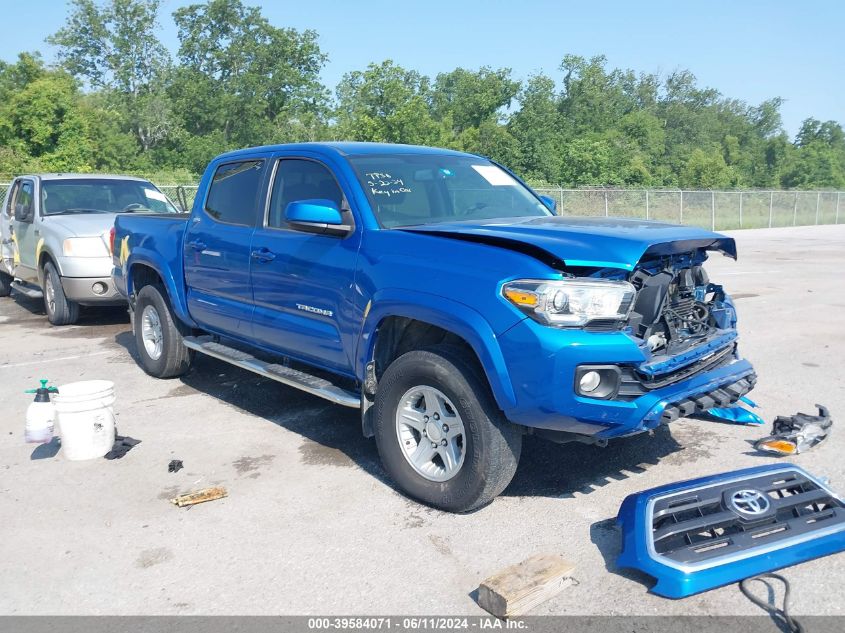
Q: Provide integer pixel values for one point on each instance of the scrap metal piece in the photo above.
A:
(696, 535)
(200, 496)
(796, 433)
(736, 413)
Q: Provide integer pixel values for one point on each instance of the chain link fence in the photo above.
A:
(182, 195)
(716, 210)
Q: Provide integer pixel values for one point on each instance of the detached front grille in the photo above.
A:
(704, 526)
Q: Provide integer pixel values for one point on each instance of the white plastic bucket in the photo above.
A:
(85, 417)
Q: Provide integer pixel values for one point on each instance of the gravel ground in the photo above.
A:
(311, 524)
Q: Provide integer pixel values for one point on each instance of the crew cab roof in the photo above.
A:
(347, 148)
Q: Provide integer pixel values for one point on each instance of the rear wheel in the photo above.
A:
(440, 433)
(5, 284)
(60, 310)
(158, 335)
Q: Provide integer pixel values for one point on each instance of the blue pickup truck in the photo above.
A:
(441, 296)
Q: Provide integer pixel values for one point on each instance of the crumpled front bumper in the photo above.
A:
(700, 534)
(542, 362)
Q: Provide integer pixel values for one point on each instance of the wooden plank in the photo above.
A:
(200, 496)
(521, 587)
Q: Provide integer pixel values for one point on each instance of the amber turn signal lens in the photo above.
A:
(779, 446)
(521, 298)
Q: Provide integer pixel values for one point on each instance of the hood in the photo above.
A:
(82, 224)
(593, 242)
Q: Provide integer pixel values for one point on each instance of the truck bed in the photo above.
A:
(152, 238)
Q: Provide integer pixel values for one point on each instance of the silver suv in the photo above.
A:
(55, 232)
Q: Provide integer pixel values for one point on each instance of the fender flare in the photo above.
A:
(452, 316)
(44, 252)
(152, 259)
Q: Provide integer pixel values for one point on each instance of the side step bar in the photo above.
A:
(29, 291)
(286, 375)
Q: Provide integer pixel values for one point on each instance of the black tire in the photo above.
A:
(60, 310)
(5, 284)
(174, 358)
(491, 444)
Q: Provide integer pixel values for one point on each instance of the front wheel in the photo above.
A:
(158, 335)
(440, 433)
(60, 310)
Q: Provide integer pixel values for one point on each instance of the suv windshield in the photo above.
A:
(414, 189)
(104, 195)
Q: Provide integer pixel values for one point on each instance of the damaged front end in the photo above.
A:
(685, 325)
(677, 307)
(624, 331)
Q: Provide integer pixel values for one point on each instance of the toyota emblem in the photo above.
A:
(750, 502)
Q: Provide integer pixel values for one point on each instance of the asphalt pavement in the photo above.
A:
(312, 525)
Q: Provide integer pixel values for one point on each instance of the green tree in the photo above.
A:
(707, 170)
(241, 80)
(44, 122)
(537, 131)
(386, 103)
(471, 98)
(114, 48)
(818, 159)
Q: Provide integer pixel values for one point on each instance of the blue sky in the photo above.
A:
(750, 50)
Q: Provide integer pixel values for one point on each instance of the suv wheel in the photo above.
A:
(60, 310)
(158, 335)
(5, 284)
(440, 433)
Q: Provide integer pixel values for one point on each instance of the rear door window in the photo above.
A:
(234, 193)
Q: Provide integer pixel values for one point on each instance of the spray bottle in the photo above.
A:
(40, 415)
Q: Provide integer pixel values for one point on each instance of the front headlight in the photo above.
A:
(85, 247)
(571, 302)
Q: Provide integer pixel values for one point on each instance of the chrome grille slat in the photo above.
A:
(708, 520)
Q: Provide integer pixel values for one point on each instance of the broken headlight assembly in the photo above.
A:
(572, 302)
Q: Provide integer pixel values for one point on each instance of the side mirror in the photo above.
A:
(22, 213)
(316, 216)
(550, 202)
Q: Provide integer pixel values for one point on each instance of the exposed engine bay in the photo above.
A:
(677, 306)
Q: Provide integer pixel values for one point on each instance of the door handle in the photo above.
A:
(197, 245)
(263, 255)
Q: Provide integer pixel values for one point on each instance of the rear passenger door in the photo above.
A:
(7, 231)
(27, 233)
(217, 244)
(302, 282)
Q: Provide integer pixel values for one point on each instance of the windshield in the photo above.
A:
(93, 195)
(407, 190)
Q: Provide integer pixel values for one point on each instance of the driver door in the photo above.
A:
(303, 283)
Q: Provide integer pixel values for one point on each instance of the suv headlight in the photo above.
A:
(84, 247)
(571, 302)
